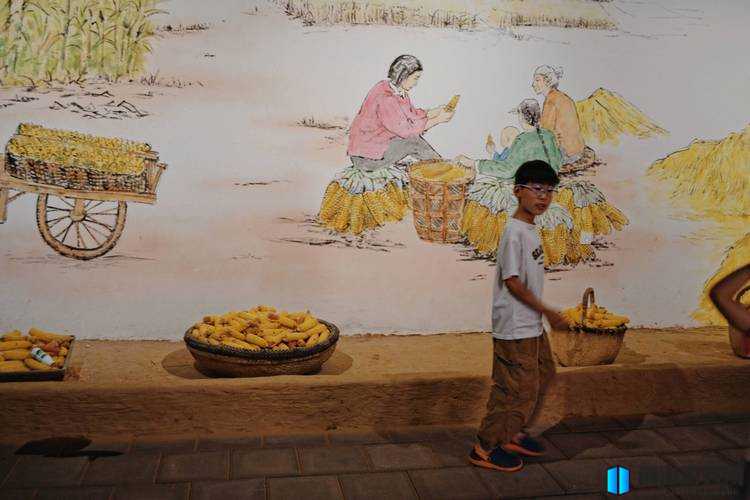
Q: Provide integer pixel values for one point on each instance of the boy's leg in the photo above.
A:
(547, 371)
(513, 392)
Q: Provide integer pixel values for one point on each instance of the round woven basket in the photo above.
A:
(231, 362)
(740, 341)
(437, 205)
(586, 346)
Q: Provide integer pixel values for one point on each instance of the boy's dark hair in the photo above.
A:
(537, 171)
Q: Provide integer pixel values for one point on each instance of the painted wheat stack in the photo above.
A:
(72, 40)
(711, 175)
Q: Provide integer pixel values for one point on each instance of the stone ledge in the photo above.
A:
(371, 381)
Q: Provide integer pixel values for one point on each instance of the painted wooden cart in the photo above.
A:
(79, 214)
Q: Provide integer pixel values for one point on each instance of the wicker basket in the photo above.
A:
(586, 346)
(85, 178)
(438, 206)
(740, 341)
(230, 362)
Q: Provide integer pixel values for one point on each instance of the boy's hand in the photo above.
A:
(556, 321)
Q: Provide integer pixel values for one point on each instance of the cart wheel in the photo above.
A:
(81, 229)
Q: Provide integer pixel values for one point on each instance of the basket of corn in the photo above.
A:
(37, 356)
(595, 336)
(261, 341)
(438, 191)
(73, 160)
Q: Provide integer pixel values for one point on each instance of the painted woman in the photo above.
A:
(387, 129)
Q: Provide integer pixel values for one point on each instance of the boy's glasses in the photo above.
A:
(539, 189)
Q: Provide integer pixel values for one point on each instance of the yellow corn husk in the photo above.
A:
(587, 223)
(600, 221)
(341, 221)
(36, 365)
(587, 253)
(616, 218)
(72, 136)
(326, 212)
(13, 366)
(556, 252)
(468, 215)
(76, 154)
(605, 116)
(12, 335)
(375, 206)
(357, 215)
(564, 198)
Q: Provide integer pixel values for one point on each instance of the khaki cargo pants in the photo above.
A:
(521, 372)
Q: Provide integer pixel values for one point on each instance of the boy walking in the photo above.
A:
(522, 364)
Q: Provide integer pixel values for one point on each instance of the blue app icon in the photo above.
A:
(618, 480)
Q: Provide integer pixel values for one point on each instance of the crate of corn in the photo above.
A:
(37, 356)
(261, 341)
(595, 335)
(438, 191)
(73, 160)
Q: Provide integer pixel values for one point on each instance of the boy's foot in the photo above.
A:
(526, 446)
(498, 459)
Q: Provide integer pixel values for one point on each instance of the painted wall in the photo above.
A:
(229, 103)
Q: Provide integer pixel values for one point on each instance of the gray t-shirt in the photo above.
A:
(520, 254)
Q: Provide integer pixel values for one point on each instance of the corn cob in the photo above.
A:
(35, 365)
(102, 142)
(13, 366)
(600, 221)
(357, 215)
(326, 207)
(375, 206)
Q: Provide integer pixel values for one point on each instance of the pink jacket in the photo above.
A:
(384, 116)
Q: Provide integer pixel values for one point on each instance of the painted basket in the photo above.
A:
(225, 361)
(438, 206)
(586, 346)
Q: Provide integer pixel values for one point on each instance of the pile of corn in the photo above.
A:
(605, 116)
(440, 171)
(596, 317)
(79, 137)
(261, 328)
(15, 350)
(589, 208)
(76, 154)
(711, 175)
(346, 212)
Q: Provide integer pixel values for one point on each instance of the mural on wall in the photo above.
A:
(289, 168)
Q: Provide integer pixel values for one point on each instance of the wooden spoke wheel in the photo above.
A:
(80, 229)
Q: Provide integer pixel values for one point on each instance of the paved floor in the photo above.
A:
(689, 456)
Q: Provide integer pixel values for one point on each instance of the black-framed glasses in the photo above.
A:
(539, 189)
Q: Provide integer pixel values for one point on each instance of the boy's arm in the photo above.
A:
(723, 293)
(523, 294)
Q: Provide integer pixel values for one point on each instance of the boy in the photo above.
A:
(522, 364)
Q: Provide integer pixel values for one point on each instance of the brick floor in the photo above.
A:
(133, 468)
(255, 463)
(243, 489)
(460, 483)
(309, 488)
(87, 493)
(334, 459)
(686, 457)
(690, 438)
(531, 481)
(43, 471)
(196, 466)
(218, 443)
(707, 467)
(152, 492)
(377, 486)
(580, 476)
(401, 456)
